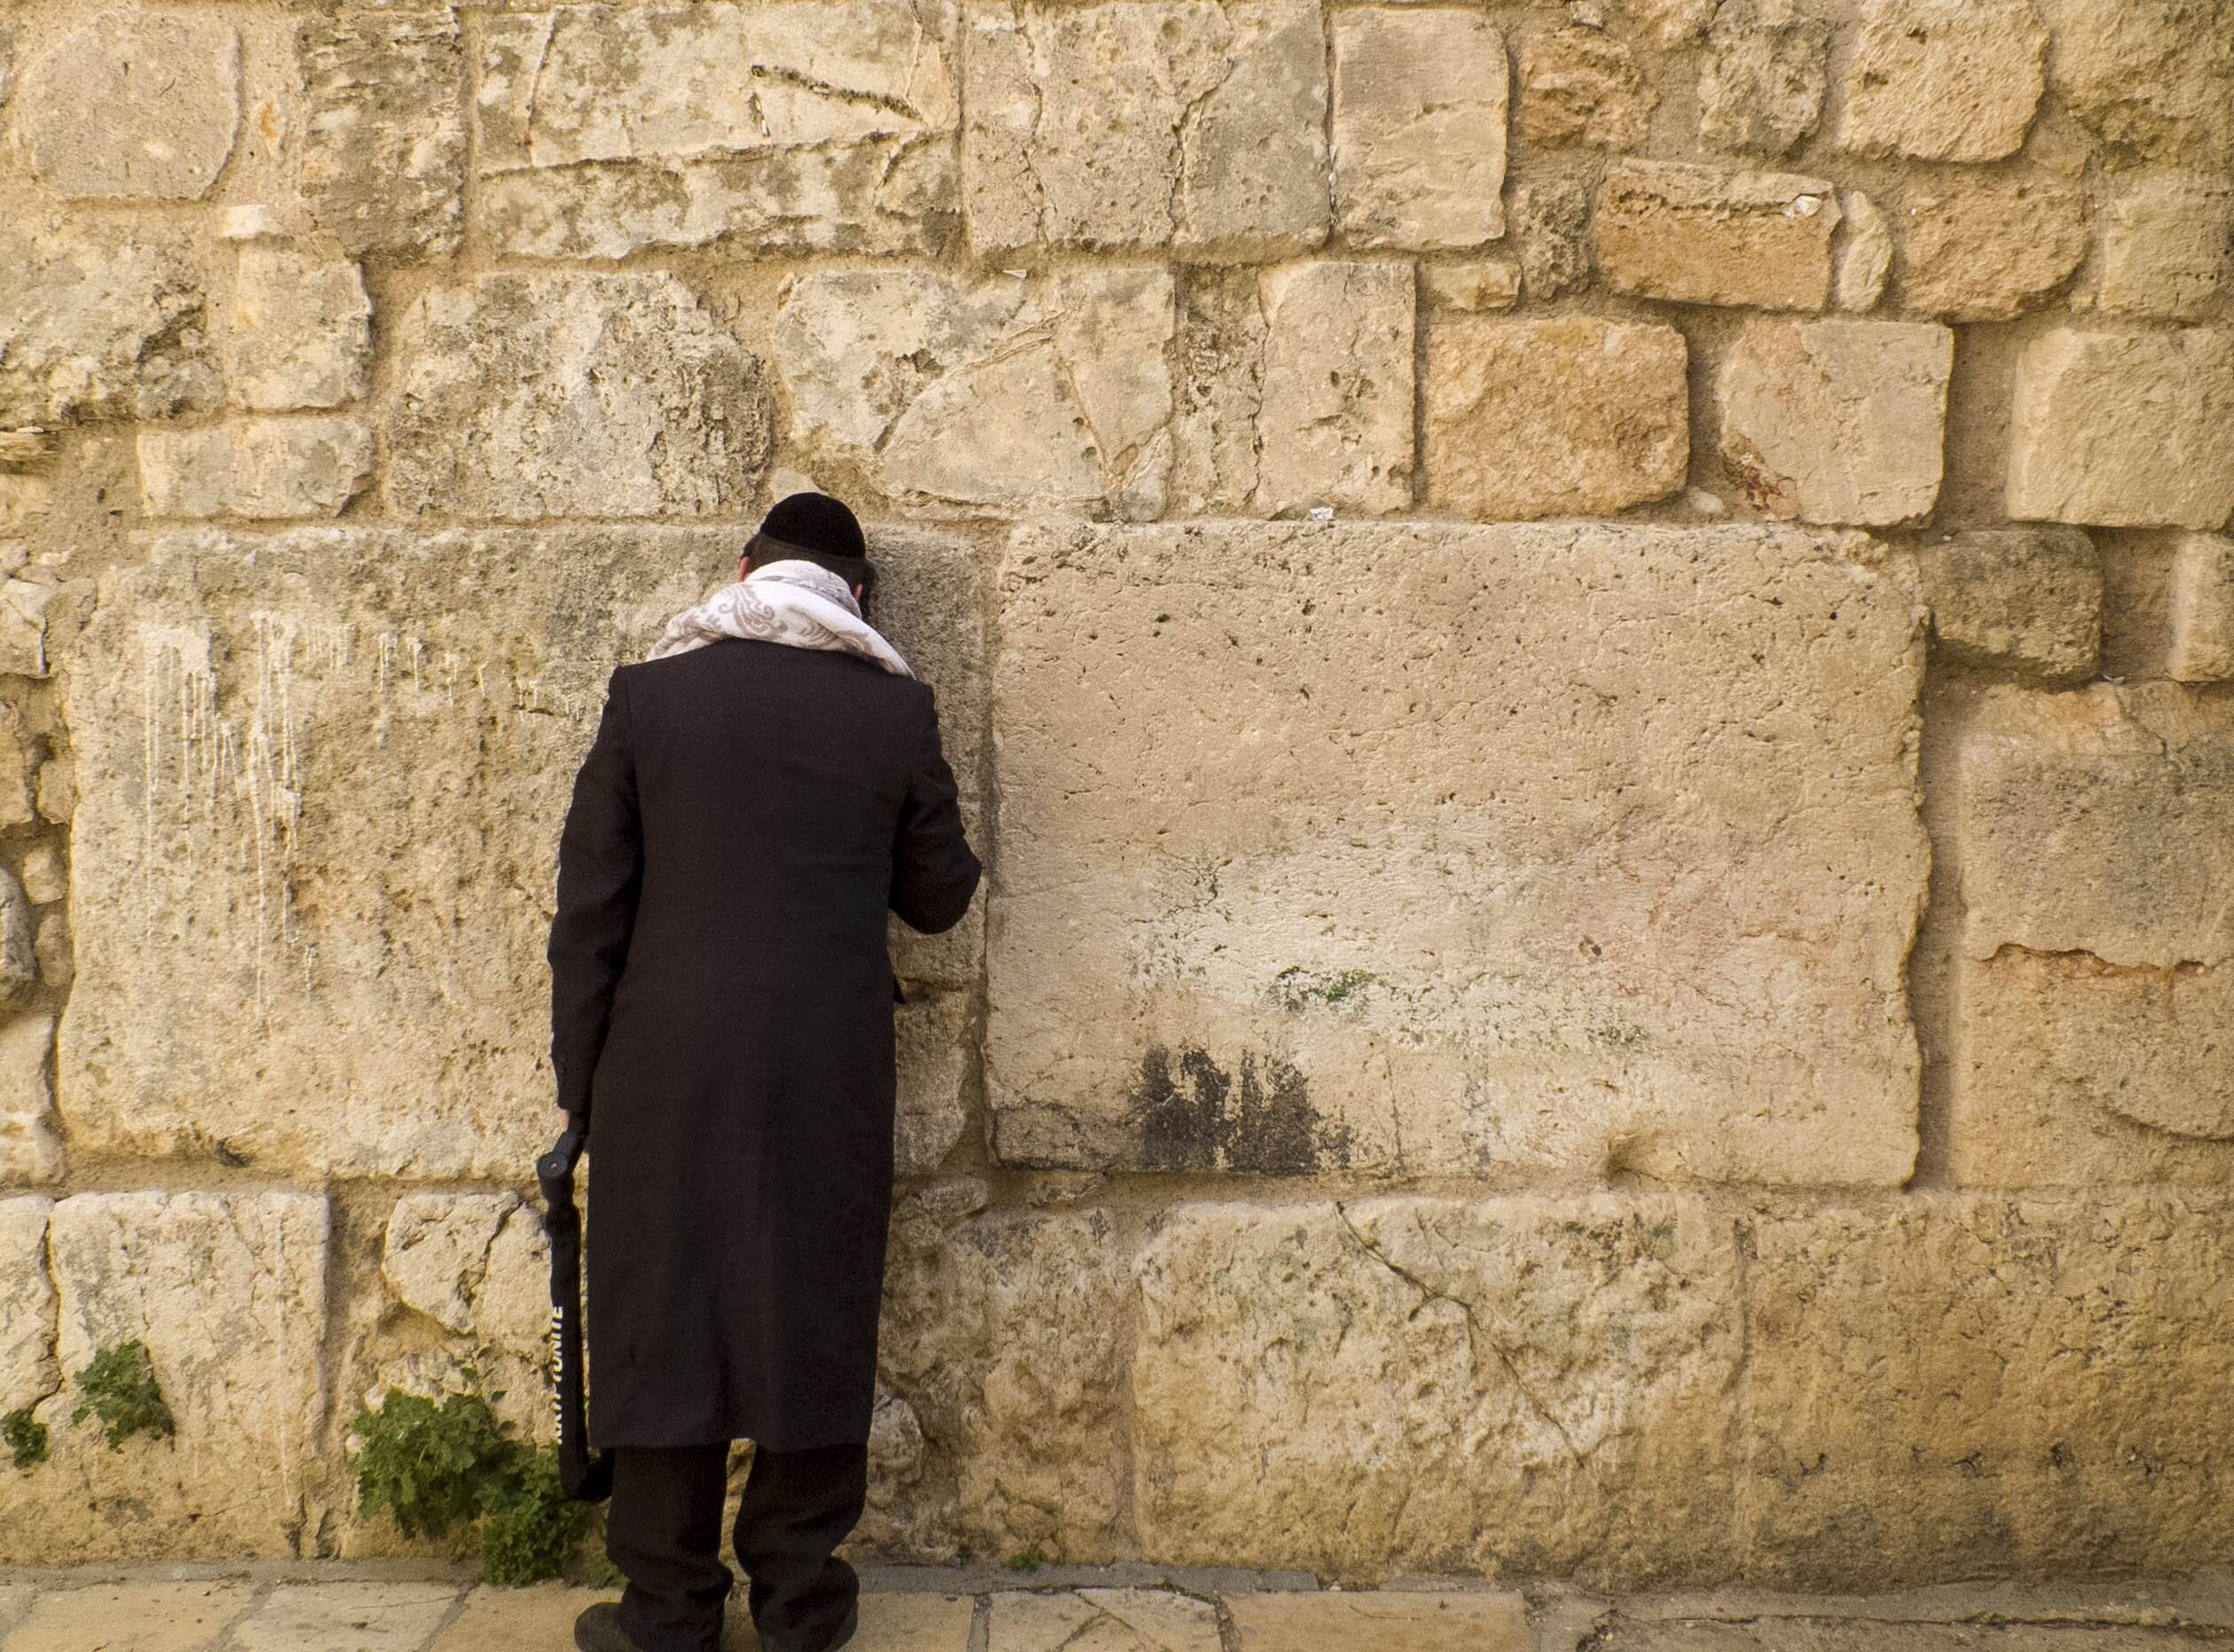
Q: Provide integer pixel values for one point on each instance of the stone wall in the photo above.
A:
(1589, 644)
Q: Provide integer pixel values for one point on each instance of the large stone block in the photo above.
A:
(228, 1293)
(813, 126)
(1761, 87)
(27, 1370)
(30, 1152)
(277, 469)
(1418, 127)
(301, 333)
(2168, 245)
(1365, 842)
(523, 396)
(1049, 393)
(2094, 822)
(2024, 599)
(1334, 426)
(383, 157)
(1709, 235)
(335, 763)
(2124, 429)
(100, 320)
(1943, 79)
(1837, 421)
(1956, 1386)
(1568, 416)
(1192, 123)
(133, 104)
(2152, 80)
(1989, 249)
(2202, 609)
(1529, 1387)
(1002, 1330)
(1579, 85)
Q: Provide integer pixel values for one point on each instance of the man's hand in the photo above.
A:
(565, 1121)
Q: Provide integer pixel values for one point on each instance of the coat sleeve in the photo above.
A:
(600, 872)
(934, 871)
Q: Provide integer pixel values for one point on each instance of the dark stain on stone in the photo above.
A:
(1194, 1115)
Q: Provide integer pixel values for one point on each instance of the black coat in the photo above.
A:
(721, 1005)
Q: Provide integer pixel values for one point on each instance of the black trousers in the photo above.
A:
(663, 1529)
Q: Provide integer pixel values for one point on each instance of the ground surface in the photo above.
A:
(272, 1606)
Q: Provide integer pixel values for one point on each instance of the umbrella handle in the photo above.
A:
(583, 1474)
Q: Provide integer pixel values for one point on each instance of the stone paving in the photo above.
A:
(384, 1607)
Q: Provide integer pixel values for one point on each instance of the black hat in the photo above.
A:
(819, 529)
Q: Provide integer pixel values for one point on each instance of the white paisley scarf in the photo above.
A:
(799, 603)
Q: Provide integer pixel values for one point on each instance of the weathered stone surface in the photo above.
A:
(2059, 1415)
(1145, 123)
(1568, 416)
(1761, 87)
(1382, 1621)
(18, 971)
(1990, 249)
(1943, 79)
(1551, 221)
(1579, 86)
(1837, 421)
(1335, 424)
(23, 631)
(2071, 1072)
(1671, 22)
(2094, 822)
(1430, 1385)
(1418, 123)
(2152, 80)
(476, 1263)
(2203, 609)
(152, 1615)
(358, 1616)
(1049, 393)
(1865, 258)
(1001, 1329)
(2023, 598)
(534, 395)
(133, 104)
(2124, 429)
(1706, 234)
(28, 1371)
(384, 128)
(277, 467)
(45, 877)
(2168, 245)
(1489, 283)
(1107, 1620)
(302, 331)
(823, 126)
(30, 1153)
(936, 1047)
(1710, 986)
(227, 1291)
(98, 320)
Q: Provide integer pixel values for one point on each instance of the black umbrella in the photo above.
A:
(583, 1475)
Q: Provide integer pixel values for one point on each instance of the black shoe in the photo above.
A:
(598, 1630)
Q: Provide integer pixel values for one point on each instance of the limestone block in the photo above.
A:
(1866, 257)
(30, 1152)
(935, 1045)
(383, 1617)
(526, 395)
(1382, 1621)
(28, 1371)
(24, 501)
(100, 320)
(1671, 22)
(1580, 86)
(2152, 80)
(1327, 925)
(162, 1615)
(1107, 1620)
(2027, 599)
(301, 333)
(1001, 1329)
(227, 1291)
(2094, 822)
(2168, 245)
(133, 104)
(276, 468)
(1709, 235)
(1990, 249)
(1050, 394)
(1418, 123)
(23, 627)
(1334, 427)
(1218, 389)
(45, 876)
(57, 790)
(814, 126)
(2071, 1072)
(383, 158)
(19, 970)
(1551, 221)
(1489, 283)
(1943, 79)
(2203, 609)
(379, 687)
(1189, 123)
(1956, 1386)
(18, 753)
(476, 1263)
(1837, 421)
(1761, 87)
(1570, 416)
(1531, 1387)
(2124, 429)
